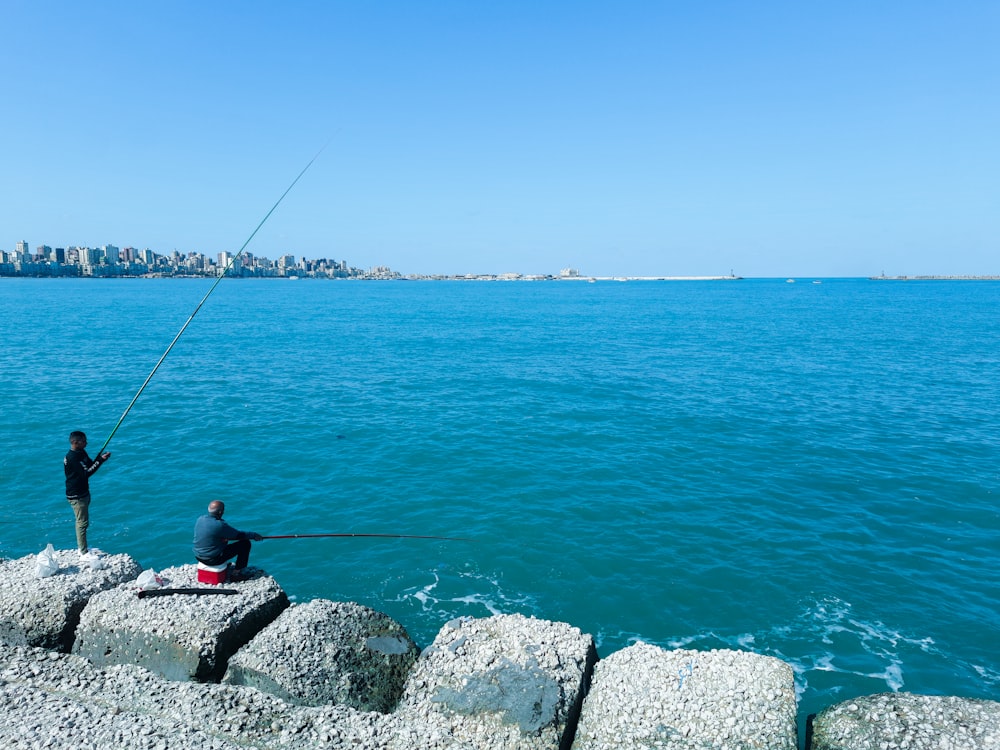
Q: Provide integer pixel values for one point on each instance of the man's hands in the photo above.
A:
(255, 536)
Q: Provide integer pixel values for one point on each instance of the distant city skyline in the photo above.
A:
(110, 260)
(634, 139)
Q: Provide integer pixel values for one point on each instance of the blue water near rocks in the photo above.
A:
(808, 471)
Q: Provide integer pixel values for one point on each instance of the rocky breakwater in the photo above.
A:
(904, 721)
(506, 681)
(644, 696)
(328, 652)
(338, 675)
(45, 612)
(184, 636)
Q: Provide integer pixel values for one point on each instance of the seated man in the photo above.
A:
(216, 542)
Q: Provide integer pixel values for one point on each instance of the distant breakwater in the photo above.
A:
(934, 278)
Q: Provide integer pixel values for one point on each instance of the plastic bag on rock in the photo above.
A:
(46, 564)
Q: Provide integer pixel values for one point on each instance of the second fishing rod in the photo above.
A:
(204, 299)
(382, 536)
(184, 327)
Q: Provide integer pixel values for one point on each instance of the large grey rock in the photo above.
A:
(501, 682)
(44, 612)
(63, 702)
(645, 697)
(905, 720)
(328, 652)
(183, 636)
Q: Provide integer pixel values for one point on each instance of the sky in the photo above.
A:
(623, 138)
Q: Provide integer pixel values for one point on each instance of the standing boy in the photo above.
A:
(78, 467)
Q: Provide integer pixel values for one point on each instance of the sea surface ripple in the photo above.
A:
(803, 470)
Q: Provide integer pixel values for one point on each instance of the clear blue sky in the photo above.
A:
(634, 138)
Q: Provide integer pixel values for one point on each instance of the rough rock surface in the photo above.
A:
(61, 701)
(45, 611)
(502, 682)
(646, 697)
(908, 721)
(328, 652)
(183, 636)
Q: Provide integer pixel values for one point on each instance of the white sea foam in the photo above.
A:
(990, 676)
(893, 676)
(440, 596)
(827, 637)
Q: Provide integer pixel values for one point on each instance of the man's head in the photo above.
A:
(216, 508)
(77, 439)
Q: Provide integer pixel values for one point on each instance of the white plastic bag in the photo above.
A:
(46, 564)
(149, 580)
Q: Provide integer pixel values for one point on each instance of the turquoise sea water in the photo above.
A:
(808, 471)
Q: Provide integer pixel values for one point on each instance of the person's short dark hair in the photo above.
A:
(77, 437)
(216, 508)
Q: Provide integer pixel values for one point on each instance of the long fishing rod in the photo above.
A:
(384, 536)
(191, 317)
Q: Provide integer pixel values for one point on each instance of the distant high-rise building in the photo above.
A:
(228, 261)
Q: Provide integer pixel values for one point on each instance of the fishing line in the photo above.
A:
(191, 317)
(384, 536)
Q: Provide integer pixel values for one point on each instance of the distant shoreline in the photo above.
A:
(933, 278)
(530, 277)
(500, 277)
(396, 277)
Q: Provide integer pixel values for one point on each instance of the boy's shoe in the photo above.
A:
(238, 574)
(92, 560)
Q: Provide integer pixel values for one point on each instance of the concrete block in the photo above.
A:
(906, 720)
(502, 682)
(182, 636)
(644, 696)
(328, 652)
(44, 612)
